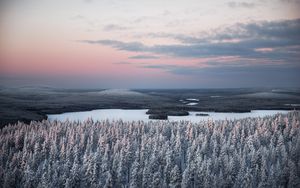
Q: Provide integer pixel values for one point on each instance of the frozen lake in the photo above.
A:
(135, 115)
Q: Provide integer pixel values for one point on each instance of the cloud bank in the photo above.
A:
(278, 40)
(233, 4)
(257, 53)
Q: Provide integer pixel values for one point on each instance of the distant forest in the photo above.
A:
(251, 152)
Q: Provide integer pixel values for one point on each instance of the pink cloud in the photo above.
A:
(264, 50)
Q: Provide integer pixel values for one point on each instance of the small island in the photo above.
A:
(158, 116)
(164, 113)
(202, 114)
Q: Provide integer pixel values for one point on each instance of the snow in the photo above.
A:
(215, 96)
(67, 154)
(119, 92)
(135, 115)
(268, 95)
(190, 99)
(294, 105)
(192, 103)
(226, 115)
(103, 114)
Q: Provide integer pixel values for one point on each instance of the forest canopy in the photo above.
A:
(251, 152)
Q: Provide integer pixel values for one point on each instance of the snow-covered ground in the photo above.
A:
(192, 103)
(119, 92)
(103, 114)
(215, 96)
(190, 99)
(135, 115)
(226, 115)
(269, 95)
(294, 105)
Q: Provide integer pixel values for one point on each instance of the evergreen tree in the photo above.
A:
(175, 178)
(250, 152)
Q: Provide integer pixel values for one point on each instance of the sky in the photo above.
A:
(150, 44)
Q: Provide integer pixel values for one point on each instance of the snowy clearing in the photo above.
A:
(192, 103)
(190, 99)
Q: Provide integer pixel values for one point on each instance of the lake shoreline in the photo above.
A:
(34, 105)
(141, 114)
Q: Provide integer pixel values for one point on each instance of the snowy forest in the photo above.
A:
(251, 152)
